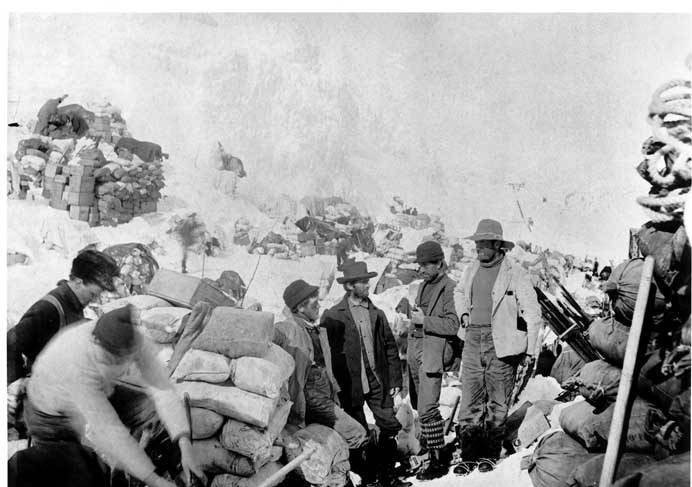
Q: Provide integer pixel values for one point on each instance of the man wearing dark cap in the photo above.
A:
(92, 273)
(76, 407)
(500, 321)
(366, 366)
(431, 350)
(312, 386)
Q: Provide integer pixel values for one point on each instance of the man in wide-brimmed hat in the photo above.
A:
(500, 320)
(366, 366)
(432, 342)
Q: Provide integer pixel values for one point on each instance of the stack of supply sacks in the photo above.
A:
(237, 383)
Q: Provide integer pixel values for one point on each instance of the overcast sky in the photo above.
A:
(443, 109)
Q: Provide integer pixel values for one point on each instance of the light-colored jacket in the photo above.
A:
(72, 377)
(513, 296)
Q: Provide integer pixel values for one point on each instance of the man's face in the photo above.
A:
(88, 292)
(361, 289)
(429, 270)
(311, 309)
(487, 250)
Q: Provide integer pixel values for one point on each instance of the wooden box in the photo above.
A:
(80, 199)
(78, 212)
(185, 290)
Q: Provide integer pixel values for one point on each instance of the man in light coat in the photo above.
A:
(77, 410)
(500, 321)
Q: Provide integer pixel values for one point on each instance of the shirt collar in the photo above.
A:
(353, 301)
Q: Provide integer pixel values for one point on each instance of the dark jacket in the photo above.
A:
(35, 329)
(440, 327)
(344, 341)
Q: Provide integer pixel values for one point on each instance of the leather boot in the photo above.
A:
(472, 445)
(435, 469)
(387, 456)
(434, 436)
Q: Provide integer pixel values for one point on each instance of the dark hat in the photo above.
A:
(96, 267)
(115, 331)
(297, 292)
(429, 251)
(490, 230)
(355, 271)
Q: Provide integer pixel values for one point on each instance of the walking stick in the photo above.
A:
(621, 413)
(289, 467)
(450, 420)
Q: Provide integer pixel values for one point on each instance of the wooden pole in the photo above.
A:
(289, 467)
(621, 414)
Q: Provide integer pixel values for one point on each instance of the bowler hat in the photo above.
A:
(356, 271)
(490, 230)
(429, 251)
(297, 292)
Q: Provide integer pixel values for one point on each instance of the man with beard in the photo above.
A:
(500, 319)
(430, 349)
(312, 386)
(366, 366)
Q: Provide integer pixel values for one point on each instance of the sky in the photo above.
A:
(447, 111)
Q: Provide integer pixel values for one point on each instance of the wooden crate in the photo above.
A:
(78, 212)
(80, 199)
(185, 290)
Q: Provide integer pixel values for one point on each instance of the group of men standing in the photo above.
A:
(349, 357)
(345, 358)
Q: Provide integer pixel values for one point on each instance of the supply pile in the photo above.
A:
(236, 381)
(100, 175)
(657, 438)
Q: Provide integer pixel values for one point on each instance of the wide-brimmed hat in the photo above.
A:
(297, 292)
(490, 230)
(356, 271)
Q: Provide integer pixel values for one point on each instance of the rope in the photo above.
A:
(252, 278)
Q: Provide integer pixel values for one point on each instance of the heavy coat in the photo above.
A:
(513, 296)
(441, 324)
(291, 335)
(344, 340)
(35, 329)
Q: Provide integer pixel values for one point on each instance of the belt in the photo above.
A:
(474, 325)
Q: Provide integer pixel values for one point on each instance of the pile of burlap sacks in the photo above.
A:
(657, 439)
(236, 382)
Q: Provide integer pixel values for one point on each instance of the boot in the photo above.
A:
(387, 456)
(434, 437)
(471, 441)
(492, 447)
(364, 462)
(435, 469)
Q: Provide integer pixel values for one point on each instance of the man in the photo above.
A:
(500, 319)
(71, 407)
(431, 346)
(312, 386)
(92, 273)
(366, 367)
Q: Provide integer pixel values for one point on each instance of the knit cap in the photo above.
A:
(116, 332)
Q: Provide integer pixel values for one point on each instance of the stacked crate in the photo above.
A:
(125, 193)
(80, 192)
(101, 127)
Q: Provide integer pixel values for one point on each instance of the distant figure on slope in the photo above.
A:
(231, 169)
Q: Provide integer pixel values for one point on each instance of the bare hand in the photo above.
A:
(394, 391)
(189, 462)
(417, 317)
(15, 394)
